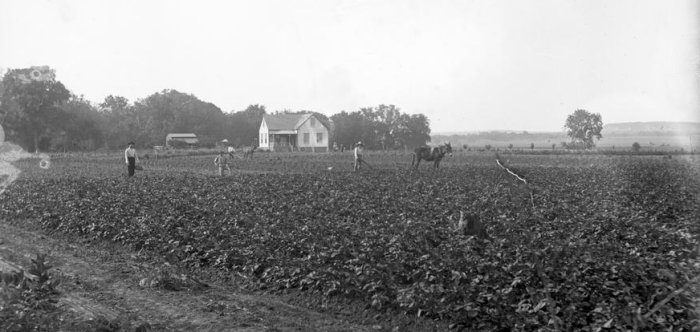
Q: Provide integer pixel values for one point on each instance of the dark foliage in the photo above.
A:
(604, 246)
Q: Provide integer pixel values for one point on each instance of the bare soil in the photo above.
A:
(105, 286)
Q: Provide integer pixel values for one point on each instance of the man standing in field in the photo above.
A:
(131, 158)
(359, 149)
(222, 162)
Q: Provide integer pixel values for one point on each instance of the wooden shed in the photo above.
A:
(177, 140)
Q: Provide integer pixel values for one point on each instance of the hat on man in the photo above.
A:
(359, 143)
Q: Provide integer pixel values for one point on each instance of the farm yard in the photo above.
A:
(591, 243)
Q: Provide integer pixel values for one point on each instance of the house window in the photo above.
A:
(306, 138)
(319, 137)
(312, 122)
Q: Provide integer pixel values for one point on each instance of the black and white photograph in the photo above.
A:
(350, 165)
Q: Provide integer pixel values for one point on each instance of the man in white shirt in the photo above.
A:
(359, 148)
(131, 158)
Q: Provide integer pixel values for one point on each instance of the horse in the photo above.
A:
(248, 152)
(435, 155)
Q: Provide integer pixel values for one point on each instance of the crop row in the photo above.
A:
(602, 246)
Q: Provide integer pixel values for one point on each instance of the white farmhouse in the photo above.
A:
(293, 132)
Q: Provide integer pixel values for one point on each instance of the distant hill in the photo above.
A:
(653, 134)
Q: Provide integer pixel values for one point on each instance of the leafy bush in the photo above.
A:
(635, 147)
(28, 302)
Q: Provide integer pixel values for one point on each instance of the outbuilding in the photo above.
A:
(180, 140)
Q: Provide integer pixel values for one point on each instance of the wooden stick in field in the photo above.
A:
(498, 162)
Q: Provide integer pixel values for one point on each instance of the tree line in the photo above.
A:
(39, 113)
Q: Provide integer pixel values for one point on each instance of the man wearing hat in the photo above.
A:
(222, 162)
(359, 148)
(131, 158)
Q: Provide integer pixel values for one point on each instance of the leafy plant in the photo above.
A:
(27, 300)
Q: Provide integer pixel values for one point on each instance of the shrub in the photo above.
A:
(28, 303)
(635, 147)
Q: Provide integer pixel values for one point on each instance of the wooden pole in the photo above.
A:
(532, 198)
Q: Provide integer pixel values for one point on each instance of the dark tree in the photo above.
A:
(31, 106)
(171, 111)
(80, 128)
(348, 128)
(382, 127)
(411, 131)
(243, 127)
(636, 147)
(119, 122)
(583, 126)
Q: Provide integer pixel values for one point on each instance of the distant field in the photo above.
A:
(657, 143)
(593, 241)
(651, 136)
(652, 142)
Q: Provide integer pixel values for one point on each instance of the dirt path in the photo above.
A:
(106, 283)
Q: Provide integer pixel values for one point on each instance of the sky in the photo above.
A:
(468, 65)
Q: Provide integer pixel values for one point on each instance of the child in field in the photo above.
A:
(222, 162)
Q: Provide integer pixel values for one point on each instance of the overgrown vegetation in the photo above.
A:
(28, 299)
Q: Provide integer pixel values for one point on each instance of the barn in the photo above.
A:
(176, 140)
(293, 132)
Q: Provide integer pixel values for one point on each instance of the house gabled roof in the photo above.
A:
(285, 121)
